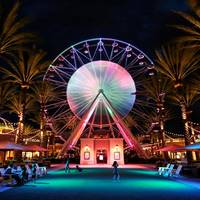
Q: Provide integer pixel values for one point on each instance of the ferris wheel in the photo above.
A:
(95, 80)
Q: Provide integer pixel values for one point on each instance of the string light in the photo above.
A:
(174, 134)
(194, 123)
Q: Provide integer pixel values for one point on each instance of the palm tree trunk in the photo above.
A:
(162, 132)
(20, 128)
(20, 132)
(165, 154)
(186, 130)
(42, 126)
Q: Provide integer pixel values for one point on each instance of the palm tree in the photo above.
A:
(24, 72)
(157, 89)
(190, 95)
(16, 106)
(12, 36)
(44, 94)
(178, 64)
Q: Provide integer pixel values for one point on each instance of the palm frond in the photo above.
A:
(189, 96)
(176, 62)
(6, 93)
(12, 36)
(16, 104)
(191, 31)
(27, 68)
(156, 87)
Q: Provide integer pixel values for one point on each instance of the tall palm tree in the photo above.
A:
(158, 88)
(178, 64)
(16, 106)
(44, 94)
(24, 72)
(189, 96)
(12, 35)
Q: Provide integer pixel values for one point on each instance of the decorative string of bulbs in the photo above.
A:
(194, 123)
(174, 134)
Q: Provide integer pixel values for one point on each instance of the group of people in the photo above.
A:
(20, 173)
(115, 166)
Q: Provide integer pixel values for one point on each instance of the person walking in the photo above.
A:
(34, 170)
(67, 168)
(116, 175)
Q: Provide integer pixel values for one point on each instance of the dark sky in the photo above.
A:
(61, 23)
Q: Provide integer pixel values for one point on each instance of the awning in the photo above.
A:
(35, 148)
(10, 146)
(195, 146)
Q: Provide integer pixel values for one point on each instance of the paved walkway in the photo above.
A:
(135, 184)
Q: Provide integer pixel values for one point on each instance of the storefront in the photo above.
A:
(101, 151)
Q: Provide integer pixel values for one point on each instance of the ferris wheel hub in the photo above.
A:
(100, 91)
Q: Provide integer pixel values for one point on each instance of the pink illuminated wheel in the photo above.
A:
(78, 74)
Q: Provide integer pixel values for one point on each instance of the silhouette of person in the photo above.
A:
(116, 175)
(34, 172)
(67, 168)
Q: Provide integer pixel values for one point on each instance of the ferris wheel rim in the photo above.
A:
(94, 39)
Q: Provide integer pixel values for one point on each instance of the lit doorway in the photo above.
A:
(101, 156)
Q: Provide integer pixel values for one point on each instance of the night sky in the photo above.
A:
(61, 23)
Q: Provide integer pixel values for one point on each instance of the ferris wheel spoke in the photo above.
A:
(55, 81)
(58, 110)
(133, 62)
(95, 51)
(66, 75)
(56, 103)
(69, 63)
(117, 55)
(76, 55)
(62, 129)
(59, 75)
(113, 49)
(89, 53)
(79, 54)
(122, 57)
(60, 114)
(104, 51)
